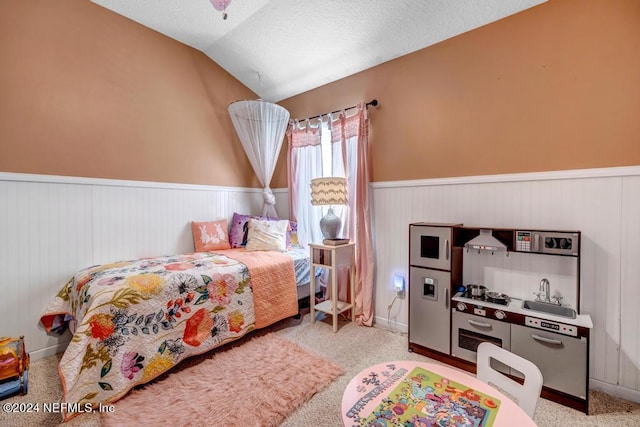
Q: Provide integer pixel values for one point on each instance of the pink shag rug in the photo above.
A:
(258, 383)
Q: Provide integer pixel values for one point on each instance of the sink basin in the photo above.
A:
(549, 308)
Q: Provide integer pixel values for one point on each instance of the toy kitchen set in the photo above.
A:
(516, 288)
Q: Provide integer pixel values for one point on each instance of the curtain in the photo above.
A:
(261, 125)
(350, 144)
(349, 147)
(304, 162)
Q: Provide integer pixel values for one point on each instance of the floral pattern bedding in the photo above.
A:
(137, 319)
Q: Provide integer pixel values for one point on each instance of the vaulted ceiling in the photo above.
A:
(280, 48)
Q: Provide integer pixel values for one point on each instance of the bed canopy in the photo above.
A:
(261, 125)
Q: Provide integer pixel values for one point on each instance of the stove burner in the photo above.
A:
(497, 298)
(492, 297)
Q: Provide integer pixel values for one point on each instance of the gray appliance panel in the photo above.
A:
(561, 359)
(430, 247)
(429, 308)
(495, 329)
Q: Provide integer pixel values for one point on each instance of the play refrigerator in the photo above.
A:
(434, 270)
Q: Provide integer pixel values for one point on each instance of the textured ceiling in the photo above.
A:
(280, 48)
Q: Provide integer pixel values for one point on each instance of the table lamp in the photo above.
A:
(329, 191)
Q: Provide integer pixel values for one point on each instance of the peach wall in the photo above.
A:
(555, 87)
(86, 92)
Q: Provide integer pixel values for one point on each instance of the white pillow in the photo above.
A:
(266, 235)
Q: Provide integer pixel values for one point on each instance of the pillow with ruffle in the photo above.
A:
(239, 229)
(210, 236)
(267, 235)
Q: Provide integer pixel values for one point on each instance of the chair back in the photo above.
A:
(527, 394)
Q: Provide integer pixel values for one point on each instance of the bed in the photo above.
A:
(134, 320)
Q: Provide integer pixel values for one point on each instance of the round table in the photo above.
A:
(420, 393)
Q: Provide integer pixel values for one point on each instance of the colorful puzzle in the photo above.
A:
(426, 399)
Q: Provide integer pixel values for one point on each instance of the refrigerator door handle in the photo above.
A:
(446, 249)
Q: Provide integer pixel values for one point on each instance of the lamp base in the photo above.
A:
(330, 225)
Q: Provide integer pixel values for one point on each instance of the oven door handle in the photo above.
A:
(479, 324)
(446, 298)
(446, 249)
(546, 340)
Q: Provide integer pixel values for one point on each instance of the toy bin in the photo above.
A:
(14, 367)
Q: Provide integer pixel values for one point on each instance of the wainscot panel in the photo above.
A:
(52, 226)
(602, 203)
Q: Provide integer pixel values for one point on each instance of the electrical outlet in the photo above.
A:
(398, 285)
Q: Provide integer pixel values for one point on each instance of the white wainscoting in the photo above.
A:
(52, 226)
(602, 203)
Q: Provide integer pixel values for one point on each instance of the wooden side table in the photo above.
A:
(333, 257)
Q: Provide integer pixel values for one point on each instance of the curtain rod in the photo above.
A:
(373, 103)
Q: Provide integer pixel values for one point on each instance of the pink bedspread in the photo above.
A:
(137, 319)
(273, 282)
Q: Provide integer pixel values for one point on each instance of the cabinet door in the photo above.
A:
(561, 359)
(429, 308)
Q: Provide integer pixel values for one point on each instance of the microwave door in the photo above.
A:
(556, 243)
(430, 247)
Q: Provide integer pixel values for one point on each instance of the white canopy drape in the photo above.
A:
(261, 125)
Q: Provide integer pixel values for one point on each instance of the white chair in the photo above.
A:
(526, 394)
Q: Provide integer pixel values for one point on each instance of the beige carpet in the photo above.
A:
(353, 348)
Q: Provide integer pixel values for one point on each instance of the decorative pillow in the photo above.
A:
(240, 225)
(210, 236)
(238, 233)
(292, 236)
(267, 235)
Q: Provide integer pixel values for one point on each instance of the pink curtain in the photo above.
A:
(350, 147)
(350, 136)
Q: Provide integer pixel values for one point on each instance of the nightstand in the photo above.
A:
(332, 257)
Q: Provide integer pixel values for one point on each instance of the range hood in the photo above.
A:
(486, 242)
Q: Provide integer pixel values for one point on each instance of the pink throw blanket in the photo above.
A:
(273, 281)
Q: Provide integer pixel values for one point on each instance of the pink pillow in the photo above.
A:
(210, 236)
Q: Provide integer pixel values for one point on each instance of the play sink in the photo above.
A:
(549, 308)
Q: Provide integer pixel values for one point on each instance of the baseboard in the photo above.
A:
(393, 326)
(47, 351)
(615, 390)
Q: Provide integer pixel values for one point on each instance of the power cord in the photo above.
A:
(389, 310)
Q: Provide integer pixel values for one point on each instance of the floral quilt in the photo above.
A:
(137, 319)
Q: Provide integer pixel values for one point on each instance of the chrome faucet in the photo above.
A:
(544, 288)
